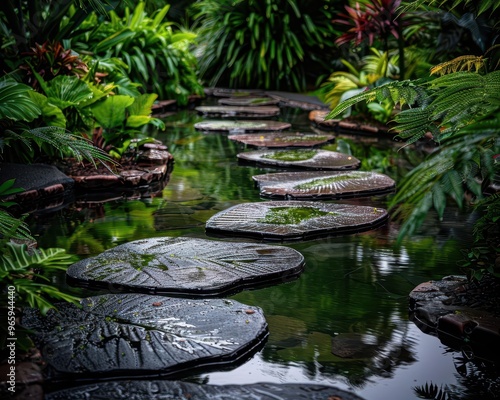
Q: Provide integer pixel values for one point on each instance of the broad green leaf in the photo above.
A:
(15, 102)
(51, 114)
(110, 113)
(64, 91)
(135, 121)
(142, 104)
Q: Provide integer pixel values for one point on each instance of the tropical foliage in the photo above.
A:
(376, 69)
(24, 23)
(29, 270)
(271, 44)
(460, 111)
(153, 53)
(20, 109)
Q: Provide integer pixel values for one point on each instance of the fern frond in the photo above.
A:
(64, 141)
(464, 96)
(432, 392)
(469, 63)
(14, 228)
(414, 123)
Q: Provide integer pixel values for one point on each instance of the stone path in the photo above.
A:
(135, 335)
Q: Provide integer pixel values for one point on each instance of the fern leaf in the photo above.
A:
(468, 63)
(14, 228)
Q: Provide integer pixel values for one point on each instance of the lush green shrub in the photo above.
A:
(271, 44)
(155, 54)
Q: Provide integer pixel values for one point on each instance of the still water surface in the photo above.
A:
(354, 288)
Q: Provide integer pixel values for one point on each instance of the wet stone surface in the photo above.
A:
(302, 158)
(323, 185)
(45, 186)
(238, 111)
(295, 139)
(248, 101)
(186, 266)
(241, 126)
(120, 335)
(156, 390)
(435, 310)
(294, 220)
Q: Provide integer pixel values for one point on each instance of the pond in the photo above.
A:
(352, 296)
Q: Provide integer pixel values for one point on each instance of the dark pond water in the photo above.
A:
(354, 288)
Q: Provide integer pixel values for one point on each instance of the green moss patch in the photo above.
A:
(291, 155)
(291, 215)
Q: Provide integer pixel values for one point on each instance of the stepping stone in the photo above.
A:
(283, 139)
(186, 266)
(119, 335)
(294, 220)
(248, 101)
(224, 92)
(302, 158)
(323, 185)
(238, 111)
(241, 126)
(164, 389)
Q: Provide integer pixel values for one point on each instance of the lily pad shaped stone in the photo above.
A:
(119, 335)
(186, 266)
(294, 220)
(238, 111)
(241, 126)
(302, 158)
(248, 101)
(312, 185)
(165, 389)
(282, 139)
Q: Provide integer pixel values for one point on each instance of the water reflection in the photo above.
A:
(345, 320)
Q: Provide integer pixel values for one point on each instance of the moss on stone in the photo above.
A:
(291, 155)
(292, 215)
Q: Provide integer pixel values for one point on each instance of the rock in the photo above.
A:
(294, 220)
(119, 335)
(191, 266)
